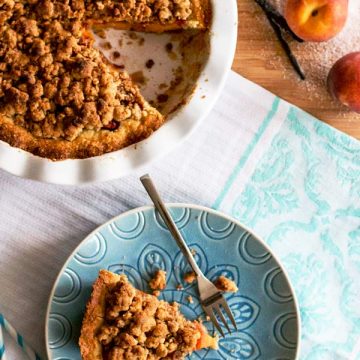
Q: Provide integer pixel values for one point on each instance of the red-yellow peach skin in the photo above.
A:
(344, 81)
(316, 20)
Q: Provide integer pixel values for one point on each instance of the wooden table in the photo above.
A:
(257, 46)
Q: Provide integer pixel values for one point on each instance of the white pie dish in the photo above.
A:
(119, 163)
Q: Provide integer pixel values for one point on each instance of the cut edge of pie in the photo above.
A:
(90, 347)
(199, 19)
(94, 318)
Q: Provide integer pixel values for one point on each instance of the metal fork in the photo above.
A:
(211, 298)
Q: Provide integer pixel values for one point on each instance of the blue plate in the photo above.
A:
(137, 243)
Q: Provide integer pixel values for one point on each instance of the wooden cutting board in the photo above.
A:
(257, 46)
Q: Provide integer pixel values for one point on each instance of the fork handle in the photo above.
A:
(169, 222)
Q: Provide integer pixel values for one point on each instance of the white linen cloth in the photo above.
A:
(246, 159)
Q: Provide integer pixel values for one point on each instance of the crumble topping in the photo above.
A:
(225, 284)
(142, 11)
(158, 282)
(59, 97)
(222, 282)
(139, 326)
(52, 81)
(190, 277)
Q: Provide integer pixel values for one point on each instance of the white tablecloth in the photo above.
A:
(245, 159)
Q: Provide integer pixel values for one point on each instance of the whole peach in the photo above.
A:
(344, 81)
(316, 20)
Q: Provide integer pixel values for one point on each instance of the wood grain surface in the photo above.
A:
(260, 58)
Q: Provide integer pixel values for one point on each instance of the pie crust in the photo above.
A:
(59, 96)
(121, 322)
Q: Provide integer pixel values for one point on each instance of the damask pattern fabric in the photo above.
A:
(304, 199)
(290, 178)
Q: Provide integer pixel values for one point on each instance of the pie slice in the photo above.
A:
(59, 97)
(123, 323)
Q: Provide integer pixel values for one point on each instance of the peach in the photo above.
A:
(316, 20)
(344, 81)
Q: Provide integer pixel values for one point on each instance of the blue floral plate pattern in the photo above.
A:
(137, 243)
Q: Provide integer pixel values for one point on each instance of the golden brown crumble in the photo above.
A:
(222, 282)
(57, 89)
(141, 11)
(139, 326)
(190, 277)
(225, 284)
(158, 282)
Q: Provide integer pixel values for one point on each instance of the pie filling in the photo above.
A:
(59, 97)
(122, 322)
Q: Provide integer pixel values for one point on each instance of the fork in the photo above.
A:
(210, 297)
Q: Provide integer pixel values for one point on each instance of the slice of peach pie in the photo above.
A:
(122, 322)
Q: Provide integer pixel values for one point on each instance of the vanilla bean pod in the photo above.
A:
(279, 24)
(269, 10)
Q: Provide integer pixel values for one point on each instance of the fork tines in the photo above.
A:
(212, 308)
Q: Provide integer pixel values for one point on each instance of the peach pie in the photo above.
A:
(59, 97)
(123, 323)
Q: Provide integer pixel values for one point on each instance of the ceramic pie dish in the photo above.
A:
(176, 128)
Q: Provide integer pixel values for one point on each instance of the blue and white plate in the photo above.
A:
(137, 243)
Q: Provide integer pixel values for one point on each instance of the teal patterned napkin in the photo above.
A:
(303, 198)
